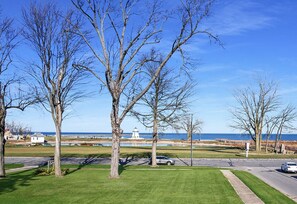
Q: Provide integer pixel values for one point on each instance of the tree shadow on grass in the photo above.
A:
(90, 159)
(86, 156)
(225, 150)
(129, 158)
(184, 162)
(121, 169)
(12, 181)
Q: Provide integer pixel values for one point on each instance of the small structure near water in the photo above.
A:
(37, 138)
(135, 134)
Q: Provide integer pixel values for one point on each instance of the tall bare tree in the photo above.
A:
(50, 32)
(271, 123)
(12, 95)
(284, 122)
(125, 32)
(164, 104)
(191, 126)
(253, 107)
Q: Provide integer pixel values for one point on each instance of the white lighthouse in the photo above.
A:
(135, 134)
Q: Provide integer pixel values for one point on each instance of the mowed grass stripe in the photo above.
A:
(103, 152)
(84, 186)
(265, 192)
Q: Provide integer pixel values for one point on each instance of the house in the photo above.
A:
(9, 136)
(37, 138)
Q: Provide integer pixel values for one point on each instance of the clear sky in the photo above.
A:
(259, 41)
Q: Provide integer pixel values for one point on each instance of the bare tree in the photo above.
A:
(279, 123)
(284, 123)
(270, 123)
(191, 126)
(125, 32)
(188, 124)
(12, 95)
(165, 102)
(18, 128)
(253, 107)
(50, 32)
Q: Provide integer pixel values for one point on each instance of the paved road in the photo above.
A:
(266, 169)
(234, 163)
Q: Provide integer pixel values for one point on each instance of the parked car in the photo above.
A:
(289, 167)
(98, 145)
(163, 160)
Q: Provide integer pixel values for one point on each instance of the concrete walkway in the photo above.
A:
(246, 195)
(21, 169)
(24, 168)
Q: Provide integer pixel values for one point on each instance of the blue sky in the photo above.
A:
(259, 40)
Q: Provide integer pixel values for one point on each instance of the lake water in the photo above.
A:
(172, 136)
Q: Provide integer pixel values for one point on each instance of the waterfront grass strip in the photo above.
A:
(144, 152)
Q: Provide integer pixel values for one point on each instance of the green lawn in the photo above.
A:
(13, 166)
(181, 152)
(136, 185)
(262, 190)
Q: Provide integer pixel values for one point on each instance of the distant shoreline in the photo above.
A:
(170, 136)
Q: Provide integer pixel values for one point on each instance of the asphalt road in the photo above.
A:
(234, 163)
(266, 169)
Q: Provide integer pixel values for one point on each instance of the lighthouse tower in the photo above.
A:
(135, 134)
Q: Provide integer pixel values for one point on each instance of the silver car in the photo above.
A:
(289, 167)
(164, 160)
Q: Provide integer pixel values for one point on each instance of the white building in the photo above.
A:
(9, 136)
(37, 138)
(135, 134)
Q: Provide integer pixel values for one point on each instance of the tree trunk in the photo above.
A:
(260, 141)
(275, 142)
(2, 145)
(257, 142)
(115, 152)
(116, 134)
(57, 159)
(266, 145)
(154, 142)
(189, 135)
(277, 138)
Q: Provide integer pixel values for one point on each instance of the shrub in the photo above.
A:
(49, 171)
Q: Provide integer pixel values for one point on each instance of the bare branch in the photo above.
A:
(125, 43)
(253, 109)
(53, 36)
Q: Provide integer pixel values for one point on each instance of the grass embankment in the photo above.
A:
(261, 189)
(136, 185)
(181, 152)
